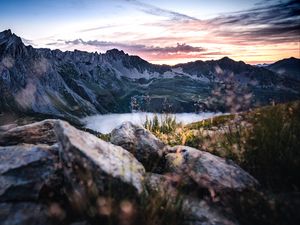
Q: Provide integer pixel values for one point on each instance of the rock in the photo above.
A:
(202, 212)
(141, 143)
(35, 133)
(195, 211)
(207, 170)
(96, 168)
(165, 184)
(7, 127)
(24, 213)
(25, 170)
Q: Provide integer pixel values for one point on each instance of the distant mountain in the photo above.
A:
(75, 84)
(288, 67)
(262, 65)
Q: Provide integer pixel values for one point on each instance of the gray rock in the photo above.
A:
(35, 133)
(94, 167)
(195, 211)
(207, 170)
(7, 127)
(141, 143)
(25, 170)
(24, 213)
(201, 212)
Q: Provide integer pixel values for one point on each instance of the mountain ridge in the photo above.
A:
(77, 83)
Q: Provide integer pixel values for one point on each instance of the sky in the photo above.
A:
(161, 31)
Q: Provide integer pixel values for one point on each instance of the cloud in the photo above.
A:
(98, 28)
(277, 23)
(138, 48)
(156, 11)
(273, 27)
(28, 42)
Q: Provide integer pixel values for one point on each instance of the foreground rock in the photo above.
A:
(51, 171)
(141, 143)
(93, 167)
(25, 213)
(25, 170)
(195, 210)
(207, 170)
(35, 133)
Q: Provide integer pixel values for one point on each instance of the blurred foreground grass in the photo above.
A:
(265, 141)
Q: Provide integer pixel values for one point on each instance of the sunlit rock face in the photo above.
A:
(77, 84)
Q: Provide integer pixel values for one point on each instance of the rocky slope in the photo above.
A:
(67, 176)
(287, 67)
(75, 84)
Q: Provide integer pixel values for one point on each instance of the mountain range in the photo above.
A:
(74, 84)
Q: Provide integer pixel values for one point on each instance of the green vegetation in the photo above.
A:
(265, 141)
(166, 125)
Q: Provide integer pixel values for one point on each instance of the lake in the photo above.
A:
(107, 122)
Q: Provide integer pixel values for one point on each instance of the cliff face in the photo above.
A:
(75, 84)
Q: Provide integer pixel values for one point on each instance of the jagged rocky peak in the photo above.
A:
(5, 34)
(116, 53)
(11, 43)
(228, 61)
(9, 38)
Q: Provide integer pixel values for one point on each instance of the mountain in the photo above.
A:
(74, 84)
(288, 67)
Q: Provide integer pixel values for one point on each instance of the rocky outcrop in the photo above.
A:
(51, 161)
(66, 176)
(192, 165)
(141, 143)
(190, 178)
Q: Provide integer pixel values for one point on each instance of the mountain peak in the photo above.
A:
(10, 43)
(5, 34)
(226, 59)
(115, 51)
(9, 37)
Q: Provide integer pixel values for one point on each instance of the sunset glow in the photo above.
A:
(163, 32)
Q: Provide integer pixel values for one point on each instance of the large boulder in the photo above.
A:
(35, 133)
(207, 170)
(26, 169)
(148, 149)
(95, 168)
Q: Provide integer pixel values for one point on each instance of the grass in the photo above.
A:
(265, 141)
